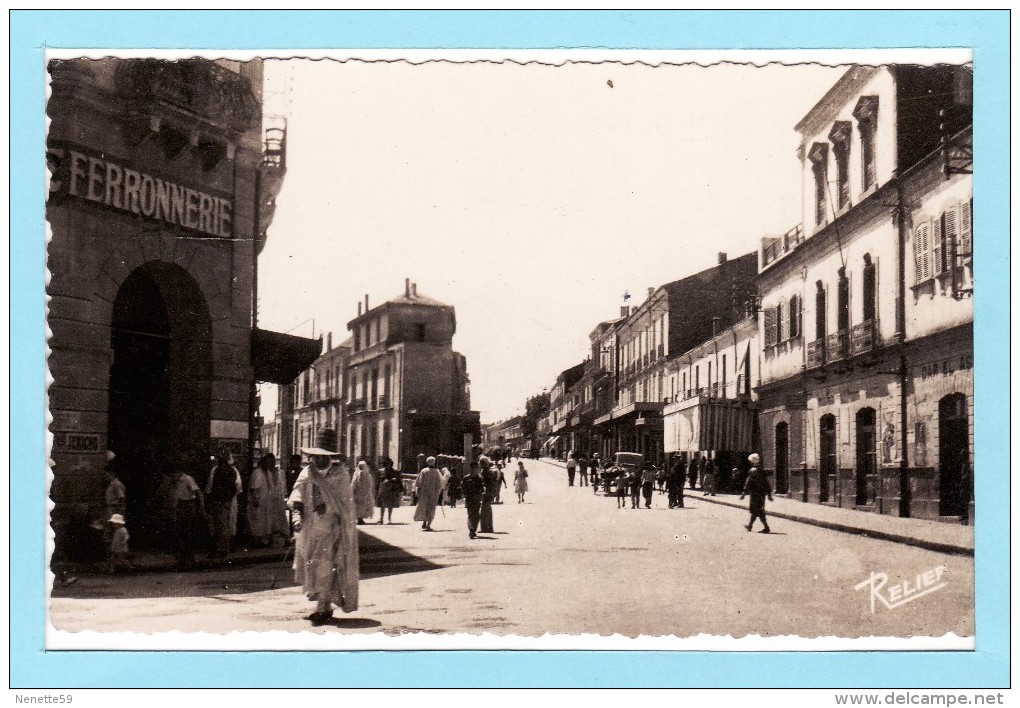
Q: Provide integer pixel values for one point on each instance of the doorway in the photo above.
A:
(827, 454)
(954, 456)
(159, 390)
(782, 458)
(866, 457)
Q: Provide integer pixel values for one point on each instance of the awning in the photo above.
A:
(551, 441)
(715, 425)
(279, 358)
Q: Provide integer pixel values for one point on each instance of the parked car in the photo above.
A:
(622, 462)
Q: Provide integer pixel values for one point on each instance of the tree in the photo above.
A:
(534, 408)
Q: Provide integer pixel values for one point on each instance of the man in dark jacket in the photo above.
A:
(759, 487)
(675, 484)
(473, 489)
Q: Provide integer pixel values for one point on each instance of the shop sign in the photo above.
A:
(946, 366)
(94, 177)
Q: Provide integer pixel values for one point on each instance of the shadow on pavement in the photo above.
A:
(377, 559)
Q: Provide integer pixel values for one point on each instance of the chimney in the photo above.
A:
(366, 303)
(716, 321)
(722, 257)
(329, 341)
(414, 289)
(407, 287)
(624, 310)
(650, 291)
(359, 308)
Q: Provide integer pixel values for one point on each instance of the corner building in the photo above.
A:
(867, 320)
(157, 170)
(408, 392)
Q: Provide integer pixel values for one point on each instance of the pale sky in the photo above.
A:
(528, 197)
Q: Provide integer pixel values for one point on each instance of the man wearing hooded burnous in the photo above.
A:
(326, 545)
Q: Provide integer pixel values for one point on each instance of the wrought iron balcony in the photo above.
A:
(838, 345)
(816, 353)
(864, 336)
(356, 404)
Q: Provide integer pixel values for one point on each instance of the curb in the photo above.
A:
(938, 546)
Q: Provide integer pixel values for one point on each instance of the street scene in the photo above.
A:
(498, 348)
(567, 561)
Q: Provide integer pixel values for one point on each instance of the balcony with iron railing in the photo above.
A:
(776, 248)
(383, 401)
(356, 404)
(837, 345)
(816, 353)
(864, 337)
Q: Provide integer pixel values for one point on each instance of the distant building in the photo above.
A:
(673, 318)
(408, 392)
(867, 317)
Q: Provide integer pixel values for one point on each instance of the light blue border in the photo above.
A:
(31, 31)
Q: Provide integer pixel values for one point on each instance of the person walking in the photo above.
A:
(189, 511)
(635, 489)
(594, 470)
(710, 479)
(759, 487)
(622, 489)
(520, 481)
(648, 484)
(491, 480)
(221, 490)
(428, 486)
(363, 486)
(692, 471)
(390, 489)
(259, 503)
(326, 545)
(675, 484)
(473, 488)
(571, 469)
(119, 553)
(582, 468)
(500, 484)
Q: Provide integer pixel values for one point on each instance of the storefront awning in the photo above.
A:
(551, 441)
(279, 358)
(715, 425)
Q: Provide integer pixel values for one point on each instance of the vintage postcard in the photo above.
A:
(576, 350)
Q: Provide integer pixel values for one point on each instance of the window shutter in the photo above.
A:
(922, 252)
(784, 333)
(794, 317)
(966, 236)
(938, 239)
(770, 326)
(952, 235)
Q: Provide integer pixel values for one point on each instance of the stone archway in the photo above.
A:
(160, 389)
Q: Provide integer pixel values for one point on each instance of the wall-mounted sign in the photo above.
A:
(77, 442)
(94, 177)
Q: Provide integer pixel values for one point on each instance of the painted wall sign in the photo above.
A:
(85, 174)
(946, 366)
(79, 442)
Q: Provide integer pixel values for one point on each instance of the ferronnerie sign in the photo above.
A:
(90, 176)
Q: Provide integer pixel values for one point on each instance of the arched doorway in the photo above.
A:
(782, 458)
(827, 453)
(954, 456)
(866, 456)
(159, 392)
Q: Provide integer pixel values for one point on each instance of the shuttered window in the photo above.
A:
(966, 227)
(784, 321)
(794, 317)
(770, 326)
(922, 252)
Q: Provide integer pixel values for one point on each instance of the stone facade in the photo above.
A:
(151, 210)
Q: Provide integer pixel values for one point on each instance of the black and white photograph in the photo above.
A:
(384, 350)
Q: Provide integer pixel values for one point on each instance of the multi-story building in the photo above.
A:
(504, 433)
(673, 318)
(408, 392)
(163, 185)
(564, 398)
(866, 320)
(712, 406)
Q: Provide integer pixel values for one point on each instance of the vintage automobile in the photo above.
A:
(623, 462)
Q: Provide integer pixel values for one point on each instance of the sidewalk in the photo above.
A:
(932, 535)
(157, 562)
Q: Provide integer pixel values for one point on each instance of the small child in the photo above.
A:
(118, 545)
(622, 490)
